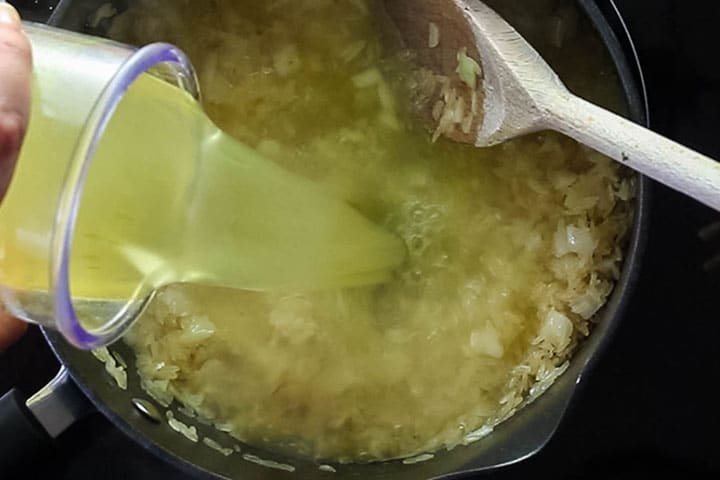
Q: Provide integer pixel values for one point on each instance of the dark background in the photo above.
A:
(649, 408)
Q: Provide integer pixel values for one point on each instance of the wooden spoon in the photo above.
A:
(522, 94)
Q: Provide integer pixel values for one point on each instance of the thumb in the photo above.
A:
(11, 329)
(15, 85)
(15, 79)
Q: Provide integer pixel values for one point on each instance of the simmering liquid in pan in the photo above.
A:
(511, 250)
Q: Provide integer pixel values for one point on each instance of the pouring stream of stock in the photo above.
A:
(522, 94)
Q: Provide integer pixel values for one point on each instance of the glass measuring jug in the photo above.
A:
(78, 83)
(124, 186)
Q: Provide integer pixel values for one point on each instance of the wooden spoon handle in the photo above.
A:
(640, 149)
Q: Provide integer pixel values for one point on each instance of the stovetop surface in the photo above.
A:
(649, 407)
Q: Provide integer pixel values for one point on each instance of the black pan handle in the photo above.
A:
(22, 437)
(28, 428)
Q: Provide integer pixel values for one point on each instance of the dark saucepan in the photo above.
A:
(518, 438)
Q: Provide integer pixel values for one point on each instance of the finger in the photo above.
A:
(11, 329)
(15, 84)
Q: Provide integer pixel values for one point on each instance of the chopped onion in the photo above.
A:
(433, 35)
(468, 69)
(556, 330)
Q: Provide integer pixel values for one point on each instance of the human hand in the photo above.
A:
(15, 85)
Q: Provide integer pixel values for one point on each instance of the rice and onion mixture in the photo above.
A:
(511, 250)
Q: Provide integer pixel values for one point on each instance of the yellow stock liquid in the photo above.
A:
(170, 198)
